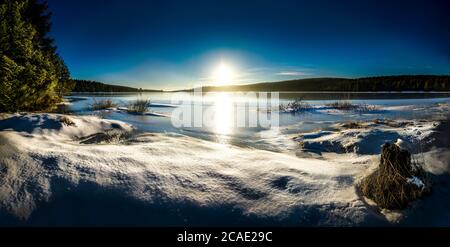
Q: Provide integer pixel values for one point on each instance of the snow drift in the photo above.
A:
(49, 175)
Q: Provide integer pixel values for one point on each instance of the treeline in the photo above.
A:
(32, 74)
(381, 83)
(99, 87)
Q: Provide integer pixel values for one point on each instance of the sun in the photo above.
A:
(223, 74)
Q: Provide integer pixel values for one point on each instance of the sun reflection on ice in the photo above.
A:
(224, 116)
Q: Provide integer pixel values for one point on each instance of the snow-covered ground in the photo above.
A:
(90, 171)
(368, 137)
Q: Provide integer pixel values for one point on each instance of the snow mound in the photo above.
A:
(368, 138)
(46, 178)
(54, 126)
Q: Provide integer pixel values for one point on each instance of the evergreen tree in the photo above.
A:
(65, 84)
(37, 13)
(39, 16)
(27, 76)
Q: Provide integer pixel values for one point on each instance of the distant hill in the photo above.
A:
(366, 84)
(94, 86)
(381, 83)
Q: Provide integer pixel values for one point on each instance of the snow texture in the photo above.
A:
(49, 175)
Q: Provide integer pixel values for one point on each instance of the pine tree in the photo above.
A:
(38, 14)
(65, 84)
(27, 77)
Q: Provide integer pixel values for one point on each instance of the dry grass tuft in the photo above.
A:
(397, 181)
(344, 105)
(139, 106)
(107, 137)
(67, 121)
(102, 104)
(353, 125)
(296, 106)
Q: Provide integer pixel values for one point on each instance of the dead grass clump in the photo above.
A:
(397, 181)
(107, 137)
(296, 106)
(67, 121)
(102, 104)
(342, 105)
(353, 125)
(363, 108)
(392, 123)
(138, 106)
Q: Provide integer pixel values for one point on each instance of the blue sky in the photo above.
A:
(178, 44)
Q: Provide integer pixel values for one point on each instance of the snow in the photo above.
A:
(416, 181)
(43, 159)
(50, 175)
(50, 126)
(369, 137)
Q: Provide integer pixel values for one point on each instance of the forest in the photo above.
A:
(367, 84)
(94, 86)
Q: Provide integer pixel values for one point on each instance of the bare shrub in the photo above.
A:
(139, 106)
(102, 104)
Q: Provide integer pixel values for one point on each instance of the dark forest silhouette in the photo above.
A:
(369, 84)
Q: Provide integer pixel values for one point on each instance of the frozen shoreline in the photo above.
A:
(49, 177)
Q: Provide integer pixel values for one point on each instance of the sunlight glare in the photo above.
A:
(223, 74)
(224, 114)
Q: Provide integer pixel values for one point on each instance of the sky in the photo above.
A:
(171, 44)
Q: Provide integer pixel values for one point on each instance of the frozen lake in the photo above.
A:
(223, 126)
